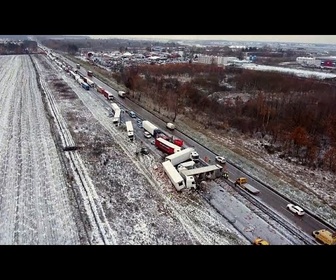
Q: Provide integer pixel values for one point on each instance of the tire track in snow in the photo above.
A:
(196, 231)
(102, 233)
(31, 198)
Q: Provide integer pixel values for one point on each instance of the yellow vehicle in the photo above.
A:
(242, 182)
(260, 241)
(325, 236)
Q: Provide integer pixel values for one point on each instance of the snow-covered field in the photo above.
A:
(126, 199)
(298, 72)
(34, 204)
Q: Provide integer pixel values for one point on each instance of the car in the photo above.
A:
(295, 209)
(170, 126)
(260, 241)
(144, 151)
(147, 134)
(132, 114)
(220, 159)
(139, 125)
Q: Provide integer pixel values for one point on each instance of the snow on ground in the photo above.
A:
(34, 204)
(297, 72)
(42, 202)
(137, 198)
(313, 190)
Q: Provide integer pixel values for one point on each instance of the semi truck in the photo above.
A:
(100, 89)
(108, 95)
(206, 172)
(242, 182)
(166, 146)
(129, 128)
(325, 236)
(183, 155)
(151, 128)
(90, 82)
(176, 141)
(176, 178)
(116, 111)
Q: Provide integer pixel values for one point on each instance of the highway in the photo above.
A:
(308, 223)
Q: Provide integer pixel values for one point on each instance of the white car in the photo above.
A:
(147, 134)
(220, 159)
(295, 209)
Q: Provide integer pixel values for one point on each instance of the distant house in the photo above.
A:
(157, 49)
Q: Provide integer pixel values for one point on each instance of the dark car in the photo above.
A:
(144, 151)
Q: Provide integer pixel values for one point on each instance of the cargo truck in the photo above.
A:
(325, 236)
(176, 141)
(176, 178)
(116, 111)
(151, 128)
(166, 146)
(108, 95)
(189, 180)
(129, 128)
(183, 155)
(90, 82)
(242, 182)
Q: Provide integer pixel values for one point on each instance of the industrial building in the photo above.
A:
(319, 62)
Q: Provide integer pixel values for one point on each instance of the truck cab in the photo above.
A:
(241, 180)
(194, 156)
(190, 182)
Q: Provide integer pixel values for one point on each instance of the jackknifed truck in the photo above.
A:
(175, 177)
(183, 155)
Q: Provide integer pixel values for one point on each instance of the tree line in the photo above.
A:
(297, 114)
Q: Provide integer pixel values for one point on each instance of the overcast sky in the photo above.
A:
(323, 39)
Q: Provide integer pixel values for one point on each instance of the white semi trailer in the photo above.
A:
(129, 128)
(205, 172)
(151, 128)
(183, 155)
(175, 177)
